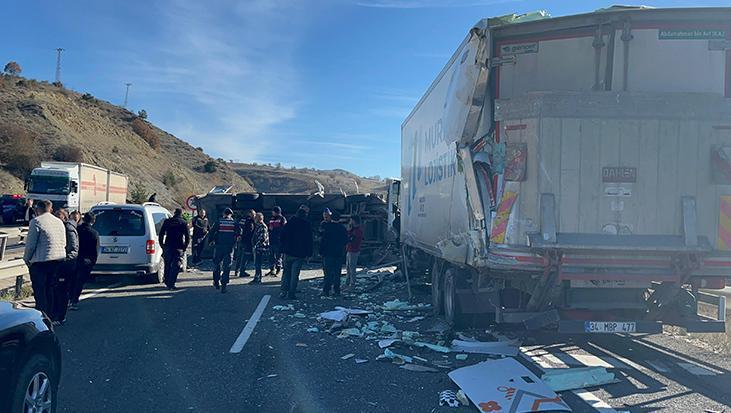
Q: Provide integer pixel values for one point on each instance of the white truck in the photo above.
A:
(76, 186)
(575, 172)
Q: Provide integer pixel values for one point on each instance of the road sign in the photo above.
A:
(190, 202)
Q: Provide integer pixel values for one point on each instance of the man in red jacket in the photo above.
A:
(355, 240)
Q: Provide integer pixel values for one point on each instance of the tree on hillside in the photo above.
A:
(12, 68)
(142, 114)
(138, 193)
(18, 150)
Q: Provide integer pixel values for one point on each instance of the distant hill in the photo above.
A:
(40, 121)
(274, 179)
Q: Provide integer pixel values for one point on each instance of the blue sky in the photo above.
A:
(319, 83)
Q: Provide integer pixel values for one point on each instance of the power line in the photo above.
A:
(126, 94)
(58, 64)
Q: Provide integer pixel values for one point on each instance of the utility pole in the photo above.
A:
(126, 94)
(58, 64)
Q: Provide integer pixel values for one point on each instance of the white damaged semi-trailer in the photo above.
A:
(575, 172)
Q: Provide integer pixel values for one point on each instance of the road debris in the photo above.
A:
(340, 314)
(313, 330)
(387, 342)
(300, 345)
(419, 368)
(398, 305)
(299, 315)
(361, 361)
(497, 348)
(395, 357)
(461, 357)
(288, 307)
(430, 346)
(463, 398)
(506, 385)
(448, 398)
(562, 379)
(347, 356)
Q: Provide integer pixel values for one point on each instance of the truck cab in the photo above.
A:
(59, 185)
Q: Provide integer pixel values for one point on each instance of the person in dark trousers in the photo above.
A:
(297, 247)
(66, 271)
(332, 249)
(174, 238)
(244, 252)
(276, 223)
(88, 254)
(200, 231)
(45, 250)
(223, 236)
(260, 241)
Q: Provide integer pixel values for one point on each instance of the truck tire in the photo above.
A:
(437, 288)
(451, 315)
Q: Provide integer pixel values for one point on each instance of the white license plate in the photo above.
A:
(610, 326)
(115, 250)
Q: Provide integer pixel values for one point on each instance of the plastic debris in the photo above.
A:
(386, 343)
(313, 330)
(435, 347)
(395, 357)
(463, 398)
(498, 348)
(361, 361)
(347, 356)
(301, 345)
(398, 305)
(409, 336)
(448, 398)
(461, 357)
(415, 319)
(577, 378)
(287, 307)
(342, 313)
(421, 359)
(299, 315)
(485, 382)
(350, 332)
(388, 328)
(419, 368)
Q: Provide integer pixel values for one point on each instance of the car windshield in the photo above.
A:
(119, 222)
(58, 185)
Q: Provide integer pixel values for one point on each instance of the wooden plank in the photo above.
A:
(629, 156)
(569, 191)
(590, 176)
(646, 187)
(668, 212)
(609, 156)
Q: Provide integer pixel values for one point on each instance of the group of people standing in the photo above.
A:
(286, 244)
(60, 251)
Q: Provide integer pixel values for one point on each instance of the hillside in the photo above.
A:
(302, 180)
(40, 121)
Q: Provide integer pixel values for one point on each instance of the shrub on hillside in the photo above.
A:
(68, 153)
(88, 97)
(18, 150)
(142, 114)
(210, 167)
(12, 68)
(169, 179)
(145, 131)
(138, 193)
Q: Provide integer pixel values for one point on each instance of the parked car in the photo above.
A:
(30, 360)
(128, 240)
(12, 209)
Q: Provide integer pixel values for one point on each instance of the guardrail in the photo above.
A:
(13, 274)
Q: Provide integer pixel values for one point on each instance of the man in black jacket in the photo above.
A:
(244, 246)
(296, 243)
(332, 249)
(88, 253)
(65, 272)
(200, 230)
(174, 238)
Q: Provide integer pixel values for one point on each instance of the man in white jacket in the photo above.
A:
(45, 251)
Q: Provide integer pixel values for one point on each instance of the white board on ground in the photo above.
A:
(505, 385)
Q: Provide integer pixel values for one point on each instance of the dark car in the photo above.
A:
(13, 209)
(30, 361)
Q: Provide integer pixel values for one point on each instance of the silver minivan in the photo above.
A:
(128, 239)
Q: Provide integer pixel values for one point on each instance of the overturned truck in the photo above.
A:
(378, 238)
(575, 172)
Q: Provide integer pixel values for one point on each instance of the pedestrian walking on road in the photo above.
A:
(260, 241)
(223, 236)
(244, 252)
(297, 247)
(29, 213)
(174, 238)
(276, 223)
(66, 271)
(45, 250)
(200, 231)
(88, 254)
(332, 249)
(355, 240)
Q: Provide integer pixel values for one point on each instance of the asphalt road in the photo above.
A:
(143, 348)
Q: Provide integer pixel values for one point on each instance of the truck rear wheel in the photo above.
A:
(437, 289)
(450, 296)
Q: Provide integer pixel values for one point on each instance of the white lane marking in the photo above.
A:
(249, 327)
(696, 369)
(594, 401)
(99, 291)
(656, 347)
